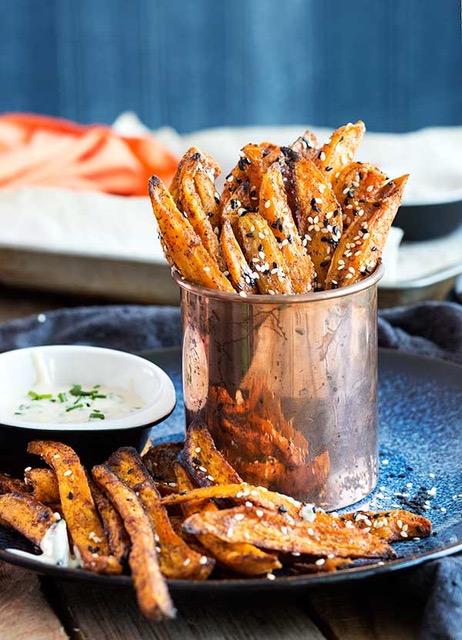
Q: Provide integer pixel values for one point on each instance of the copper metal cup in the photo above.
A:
(288, 386)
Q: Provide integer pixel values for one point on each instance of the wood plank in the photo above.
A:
(375, 610)
(101, 613)
(24, 611)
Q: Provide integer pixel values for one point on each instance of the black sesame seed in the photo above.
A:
(249, 235)
(374, 249)
(239, 181)
(377, 204)
(217, 200)
(130, 471)
(329, 168)
(351, 194)
(70, 495)
(336, 212)
(260, 247)
(234, 203)
(275, 265)
(196, 461)
(282, 509)
(196, 156)
(335, 230)
(334, 285)
(93, 549)
(325, 263)
(364, 230)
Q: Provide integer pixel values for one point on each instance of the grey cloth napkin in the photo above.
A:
(431, 329)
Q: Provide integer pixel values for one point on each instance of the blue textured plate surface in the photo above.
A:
(420, 417)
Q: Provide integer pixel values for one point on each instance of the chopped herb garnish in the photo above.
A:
(62, 397)
(38, 396)
(95, 414)
(74, 406)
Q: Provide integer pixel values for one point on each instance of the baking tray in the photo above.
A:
(141, 282)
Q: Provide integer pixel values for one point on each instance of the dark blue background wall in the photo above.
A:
(397, 64)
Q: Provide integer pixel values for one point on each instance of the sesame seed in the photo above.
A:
(211, 478)
(67, 473)
(239, 516)
(320, 562)
(267, 204)
(203, 560)
(259, 513)
(187, 562)
(56, 456)
(197, 449)
(203, 469)
(271, 576)
(322, 156)
(248, 504)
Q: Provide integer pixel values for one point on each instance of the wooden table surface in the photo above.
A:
(37, 608)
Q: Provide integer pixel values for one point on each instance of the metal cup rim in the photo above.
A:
(295, 298)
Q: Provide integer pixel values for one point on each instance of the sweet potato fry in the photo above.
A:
(25, 514)
(390, 526)
(340, 149)
(8, 484)
(43, 484)
(202, 460)
(189, 202)
(278, 532)
(241, 493)
(177, 560)
(239, 557)
(182, 243)
(114, 528)
(240, 274)
(360, 248)
(150, 586)
(306, 145)
(317, 213)
(210, 166)
(78, 506)
(159, 461)
(357, 183)
(263, 254)
(253, 162)
(275, 209)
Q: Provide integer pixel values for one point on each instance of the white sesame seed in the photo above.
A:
(229, 533)
(271, 576)
(267, 204)
(230, 178)
(203, 469)
(197, 450)
(322, 156)
(203, 560)
(239, 516)
(320, 562)
(259, 513)
(187, 562)
(56, 456)
(28, 469)
(370, 188)
(67, 473)
(248, 504)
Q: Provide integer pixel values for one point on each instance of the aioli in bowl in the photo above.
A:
(72, 404)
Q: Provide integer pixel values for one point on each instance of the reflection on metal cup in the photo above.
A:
(287, 386)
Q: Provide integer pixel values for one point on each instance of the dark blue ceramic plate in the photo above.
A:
(420, 469)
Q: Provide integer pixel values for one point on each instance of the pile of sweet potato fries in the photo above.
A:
(289, 220)
(182, 512)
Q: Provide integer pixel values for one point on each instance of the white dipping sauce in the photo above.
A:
(54, 546)
(71, 404)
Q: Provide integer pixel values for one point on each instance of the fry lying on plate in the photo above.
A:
(209, 523)
(290, 220)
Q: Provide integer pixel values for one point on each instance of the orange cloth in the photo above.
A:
(45, 151)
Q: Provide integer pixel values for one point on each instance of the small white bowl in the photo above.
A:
(88, 366)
